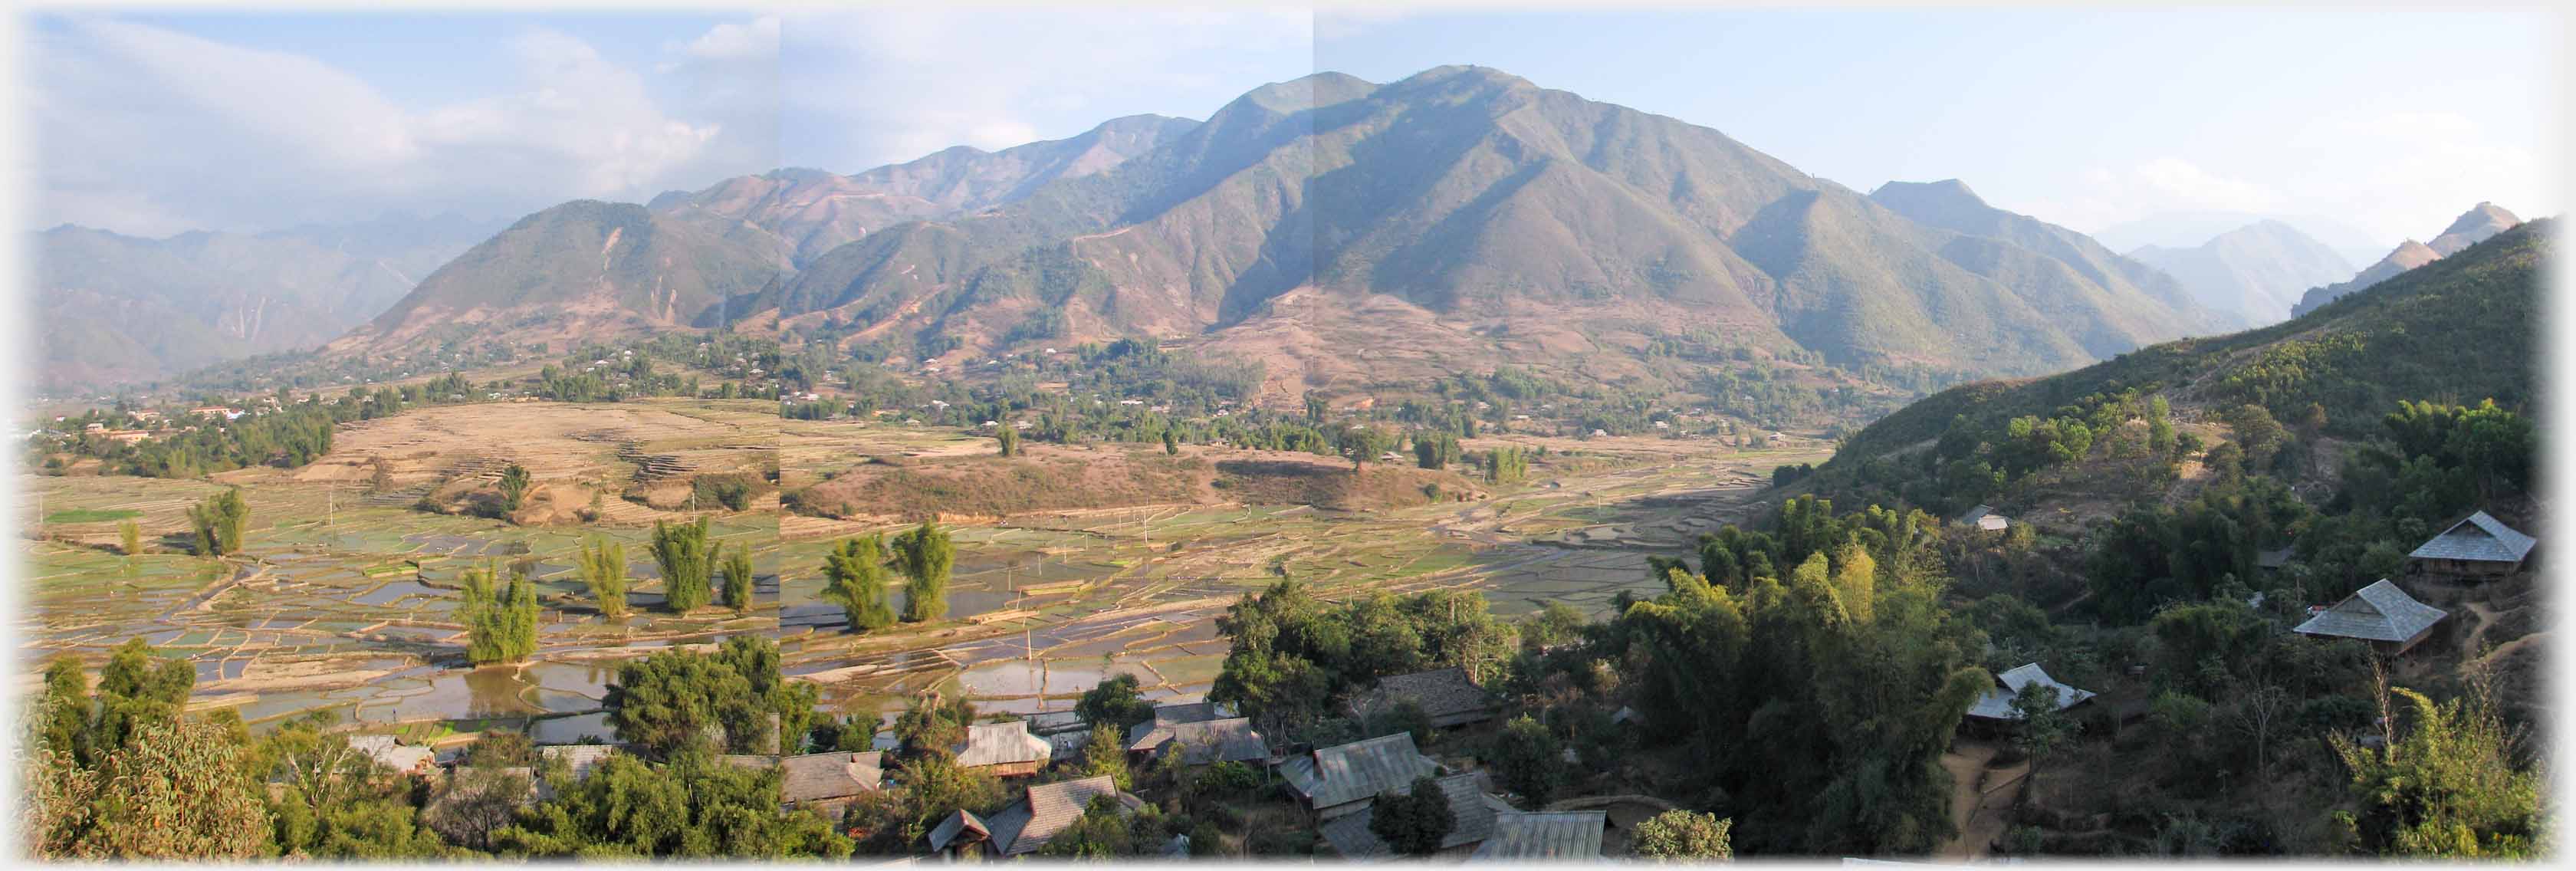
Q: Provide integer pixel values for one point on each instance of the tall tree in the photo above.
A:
(129, 538)
(603, 569)
(855, 578)
(682, 552)
(218, 522)
(514, 486)
(925, 554)
(1009, 439)
(1683, 835)
(1415, 821)
(738, 579)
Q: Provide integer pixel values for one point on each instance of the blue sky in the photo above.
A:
(2388, 121)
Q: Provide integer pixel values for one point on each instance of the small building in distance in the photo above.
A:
(1202, 742)
(578, 759)
(2381, 614)
(1448, 695)
(961, 835)
(1996, 706)
(1335, 781)
(1984, 518)
(828, 782)
(2479, 546)
(1048, 808)
(1004, 749)
(1544, 836)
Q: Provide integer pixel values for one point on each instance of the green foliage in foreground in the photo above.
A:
(2443, 786)
(678, 701)
(1415, 821)
(687, 564)
(1682, 835)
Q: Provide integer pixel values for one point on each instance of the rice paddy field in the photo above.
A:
(344, 603)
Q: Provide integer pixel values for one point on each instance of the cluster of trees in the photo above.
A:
(1294, 659)
(733, 700)
(687, 562)
(217, 523)
(1506, 465)
(855, 576)
(500, 626)
(603, 569)
(291, 437)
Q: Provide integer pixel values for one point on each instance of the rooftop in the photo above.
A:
(1049, 808)
(2477, 538)
(1442, 692)
(1358, 770)
(1997, 703)
(1002, 744)
(1351, 837)
(1544, 836)
(2379, 612)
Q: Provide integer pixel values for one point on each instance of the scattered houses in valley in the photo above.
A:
(1004, 749)
(1448, 695)
(1996, 705)
(1335, 781)
(1048, 808)
(1471, 810)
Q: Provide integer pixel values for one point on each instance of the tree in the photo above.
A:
(1171, 444)
(514, 486)
(1529, 760)
(499, 627)
(1009, 437)
(933, 725)
(176, 789)
(738, 579)
(65, 710)
(1114, 703)
(1415, 821)
(135, 691)
(1363, 444)
(1106, 753)
(2042, 729)
(1105, 830)
(1681, 834)
(925, 554)
(129, 538)
(855, 578)
(2444, 786)
(603, 569)
(694, 807)
(218, 522)
(686, 563)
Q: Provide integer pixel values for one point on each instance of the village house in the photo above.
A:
(2381, 614)
(1996, 706)
(2479, 546)
(1984, 518)
(407, 761)
(1025, 827)
(579, 759)
(1004, 749)
(828, 782)
(1341, 780)
(1543, 836)
(1449, 695)
(1201, 742)
(1470, 808)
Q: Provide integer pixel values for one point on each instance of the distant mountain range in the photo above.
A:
(1340, 232)
(2190, 229)
(2255, 272)
(119, 308)
(2474, 226)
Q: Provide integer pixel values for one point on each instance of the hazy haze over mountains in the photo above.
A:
(2256, 271)
(2471, 227)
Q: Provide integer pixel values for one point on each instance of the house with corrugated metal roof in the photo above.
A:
(961, 835)
(2479, 546)
(1004, 749)
(1335, 781)
(1145, 736)
(1544, 836)
(1449, 695)
(1997, 704)
(1469, 806)
(2381, 614)
(1048, 808)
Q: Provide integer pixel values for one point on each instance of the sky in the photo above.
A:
(2384, 123)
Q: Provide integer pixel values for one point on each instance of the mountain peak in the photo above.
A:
(1308, 92)
(1948, 193)
(2486, 218)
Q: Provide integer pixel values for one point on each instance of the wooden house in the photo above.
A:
(2381, 614)
(2479, 546)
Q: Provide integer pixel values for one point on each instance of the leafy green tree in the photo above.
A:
(1363, 444)
(499, 627)
(1529, 760)
(514, 486)
(1105, 830)
(934, 787)
(925, 555)
(1171, 444)
(855, 578)
(1682, 835)
(174, 789)
(694, 807)
(672, 701)
(1415, 821)
(687, 563)
(135, 691)
(2042, 729)
(738, 579)
(1115, 703)
(603, 569)
(1106, 753)
(218, 522)
(933, 725)
(129, 538)
(64, 727)
(1009, 438)
(2444, 786)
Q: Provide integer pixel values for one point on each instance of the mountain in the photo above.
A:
(2256, 271)
(2461, 328)
(2472, 227)
(119, 309)
(812, 211)
(581, 270)
(1343, 233)
(2188, 229)
(1339, 230)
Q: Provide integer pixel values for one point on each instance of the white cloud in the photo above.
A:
(148, 130)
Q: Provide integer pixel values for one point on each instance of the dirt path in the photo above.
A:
(1979, 799)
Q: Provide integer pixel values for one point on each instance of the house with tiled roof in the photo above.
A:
(960, 835)
(1469, 806)
(1048, 808)
(1449, 695)
(2381, 614)
(1335, 781)
(1997, 704)
(1004, 749)
(1202, 742)
(2479, 546)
